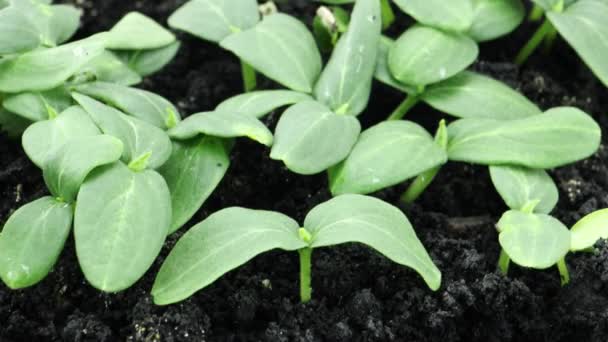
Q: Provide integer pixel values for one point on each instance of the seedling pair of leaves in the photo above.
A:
(582, 23)
(35, 77)
(233, 236)
(528, 235)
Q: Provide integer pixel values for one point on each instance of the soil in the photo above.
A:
(358, 295)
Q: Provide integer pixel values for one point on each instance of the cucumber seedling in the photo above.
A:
(233, 236)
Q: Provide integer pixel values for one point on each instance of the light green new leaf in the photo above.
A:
(215, 20)
(533, 240)
(37, 106)
(345, 84)
(262, 102)
(16, 32)
(31, 241)
(281, 48)
(425, 55)
(147, 62)
(588, 230)
(386, 154)
(136, 31)
(43, 137)
(219, 244)
(471, 95)
(120, 225)
(139, 103)
(224, 125)
(452, 15)
(194, 170)
(47, 68)
(67, 167)
(555, 138)
(583, 25)
(520, 187)
(495, 18)
(140, 139)
(107, 67)
(368, 220)
(310, 138)
(382, 73)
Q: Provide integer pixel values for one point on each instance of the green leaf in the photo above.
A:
(471, 95)
(589, 230)
(262, 102)
(452, 15)
(583, 25)
(44, 137)
(495, 18)
(382, 73)
(192, 173)
(139, 137)
(533, 240)
(219, 244)
(139, 103)
(386, 154)
(32, 70)
(66, 167)
(31, 241)
(121, 221)
(136, 31)
(551, 5)
(425, 55)
(147, 62)
(36, 106)
(555, 138)
(107, 67)
(224, 125)
(519, 187)
(215, 20)
(370, 221)
(16, 32)
(345, 84)
(309, 138)
(281, 48)
(64, 23)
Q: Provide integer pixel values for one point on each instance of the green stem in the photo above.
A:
(550, 39)
(563, 271)
(305, 266)
(536, 14)
(419, 185)
(249, 77)
(503, 262)
(533, 43)
(404, 107)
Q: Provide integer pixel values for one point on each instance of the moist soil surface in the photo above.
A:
(358, 295)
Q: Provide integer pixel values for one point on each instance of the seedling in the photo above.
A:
(582, 23)
(233, 236)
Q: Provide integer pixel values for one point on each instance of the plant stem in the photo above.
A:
(407, 104)
(305, 287)
(563, 271)
(550, 39)
(388, 16)
(536, 14)
(503, 262)
(533, 43)
(419, 185)
(249, 77)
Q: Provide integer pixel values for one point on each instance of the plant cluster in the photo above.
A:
(124, 170)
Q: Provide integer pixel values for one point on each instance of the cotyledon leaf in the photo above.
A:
(140, 138)
(16, 32)
(192, 173)
(67, 167)
(147, 62)
(107, 67)
(345, 84)
(120, 224)
(224, 125)
(382, 73)
(280, 47)
(588, 230)
(495, 18)
(43, 137)
(221, 243)
(533, 240)
(551, 5)
(452, 15)
(310, 138)
(215, 20)
(37, 106)
(519, 187)
(386, 154)
(557, 137)
(31, 241)
(139, 103)
(262, 102)
(136, 31)
(368, 220)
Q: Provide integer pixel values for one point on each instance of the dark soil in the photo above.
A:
(358, 295)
